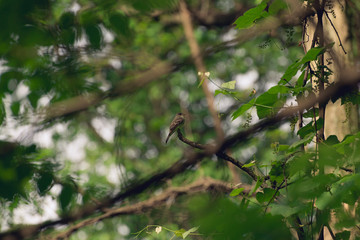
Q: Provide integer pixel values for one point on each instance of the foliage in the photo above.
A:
(62, 55)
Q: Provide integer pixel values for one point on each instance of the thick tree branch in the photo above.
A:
(201, 185)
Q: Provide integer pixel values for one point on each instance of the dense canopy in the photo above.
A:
(269, 148)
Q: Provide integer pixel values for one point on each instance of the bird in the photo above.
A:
(176, 123)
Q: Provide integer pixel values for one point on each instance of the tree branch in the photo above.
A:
(125, 87)
(219, 154)
(201, 185)
(200, 65)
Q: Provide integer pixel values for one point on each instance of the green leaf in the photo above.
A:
(151, 5)
(2, 112)
(328, 156)
(180, 232)
(94, 36)
(265, 196)
(343, 235)
(331, 140)
(259, 181)
(324, 200)
(343, 146)
(217, 92)
(283, 147)
(310, 127)
(229, 85)
(310, 113)
(32, 35)
(88, 17)
(243, 109)
(305, 130)
(307, 139)
(191, 230)
(247, 20)
(120, 23)
(66, 196)
(15, 202)
(268, 104)
(249, 164)
(33, 98)
(277, 172)
(284, 210)
(276, 6)
(279, 89)
(67, 20)
(312, 54)
(201, 82)
(290, 72)
(300, 82)
(300, 164)
(68, 36)
(15, 108)
(236, 192)
(44, 183)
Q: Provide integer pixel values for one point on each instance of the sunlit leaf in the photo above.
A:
(191, 230)
(247, 20)
(249, 164)
(236, 192)
(229, 85)
(243, 109)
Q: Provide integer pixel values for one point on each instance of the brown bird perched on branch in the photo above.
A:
(176, 123)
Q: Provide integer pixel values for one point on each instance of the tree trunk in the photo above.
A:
(339, 120)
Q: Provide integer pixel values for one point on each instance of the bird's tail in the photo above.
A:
(167, 139)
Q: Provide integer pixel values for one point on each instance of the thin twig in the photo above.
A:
(337, 34)
(219, 154)
(274, 196)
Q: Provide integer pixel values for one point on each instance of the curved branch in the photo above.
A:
(201, 185)
(83, 102)
(219, 154)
